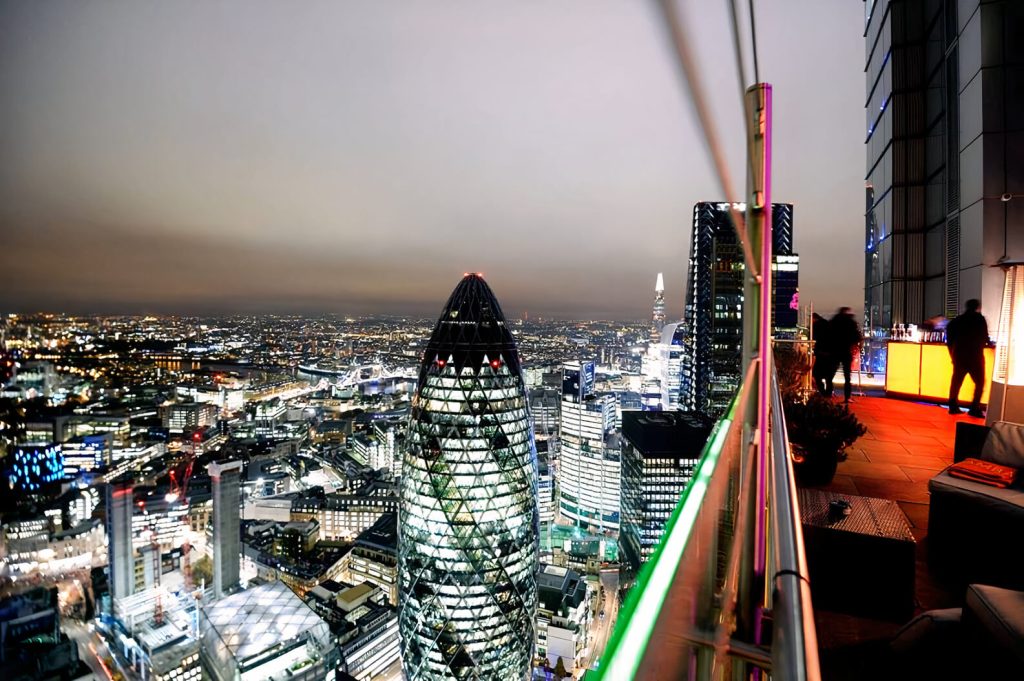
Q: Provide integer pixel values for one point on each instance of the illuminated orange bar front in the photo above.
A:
(924, 370)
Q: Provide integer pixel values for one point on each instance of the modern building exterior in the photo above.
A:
(660, 450)
(662, 368)
(227, 548)
(588, 472)
(468, 530)
(712, 344)
(120, 547)
(945, 157)
(658, 316)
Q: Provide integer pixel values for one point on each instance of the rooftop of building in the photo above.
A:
(667, 433)
(382, 535)
(906, 444)
(250, 623)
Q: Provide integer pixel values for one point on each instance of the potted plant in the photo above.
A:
(819, 430)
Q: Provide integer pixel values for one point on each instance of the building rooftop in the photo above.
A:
(252, 622)
(906, 444)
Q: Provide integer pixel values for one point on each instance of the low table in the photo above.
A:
(863, 563)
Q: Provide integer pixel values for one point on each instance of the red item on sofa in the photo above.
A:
(985, 472)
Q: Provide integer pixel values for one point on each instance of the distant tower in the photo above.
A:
(468, 532)
(589, 468)
(713, 322)
(226, 482)
(120, 552)
(658, 319)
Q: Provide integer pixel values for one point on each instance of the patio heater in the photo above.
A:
(1006, 401)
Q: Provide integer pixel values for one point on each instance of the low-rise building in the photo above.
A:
(374, 557)
(48, 552)
(364, 623)
(563, 616)
(262, 633)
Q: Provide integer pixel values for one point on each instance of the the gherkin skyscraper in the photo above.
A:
(468, 530)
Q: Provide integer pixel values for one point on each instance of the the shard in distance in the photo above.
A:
(468, 531)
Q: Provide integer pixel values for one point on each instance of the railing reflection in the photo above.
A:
(698, 609)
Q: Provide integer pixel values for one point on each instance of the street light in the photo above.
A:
(1005, 198)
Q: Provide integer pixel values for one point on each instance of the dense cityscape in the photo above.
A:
(227, 454)
(142, 420)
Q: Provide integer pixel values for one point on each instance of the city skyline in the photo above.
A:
(362, 170)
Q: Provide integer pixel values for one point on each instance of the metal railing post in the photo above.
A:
(757, 320)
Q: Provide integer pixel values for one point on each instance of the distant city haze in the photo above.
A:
(358, 157)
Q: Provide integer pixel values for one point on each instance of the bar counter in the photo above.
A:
(924, 370)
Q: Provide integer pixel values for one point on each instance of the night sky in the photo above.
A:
(358, 157)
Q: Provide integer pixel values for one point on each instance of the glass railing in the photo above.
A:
(702, 608)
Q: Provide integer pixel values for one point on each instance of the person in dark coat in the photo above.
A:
(824, 365)
(846, 338)
(966, 338)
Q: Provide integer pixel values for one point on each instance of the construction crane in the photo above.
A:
(180, 474)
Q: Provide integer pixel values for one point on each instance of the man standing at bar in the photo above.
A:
(846, 338)
(966, 337)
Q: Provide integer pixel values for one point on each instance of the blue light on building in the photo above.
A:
(35, 466)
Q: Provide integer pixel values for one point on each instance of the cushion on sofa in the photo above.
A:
(1001, 613)
(1003, 500)
(1004, 444)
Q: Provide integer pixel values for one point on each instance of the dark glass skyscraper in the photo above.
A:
(660, 451)
(468, 530)
(712, 352)
(945, 160)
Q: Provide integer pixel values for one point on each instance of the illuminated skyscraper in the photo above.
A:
(468, 530)
(713, 324)
(658, 318)
(588, 474)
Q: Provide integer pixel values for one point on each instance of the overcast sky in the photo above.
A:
(358, 157)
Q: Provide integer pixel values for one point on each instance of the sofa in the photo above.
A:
(975, 531)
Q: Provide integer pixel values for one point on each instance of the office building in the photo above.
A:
(374, 557)
(945, 160)
(658, 315)
(588, 471)
(226, 483)
(341, 516)
(662, 369)
(120, 547)
(188, 416)
(712, 321)
(660, 450)
(468, 539)
(87, 453)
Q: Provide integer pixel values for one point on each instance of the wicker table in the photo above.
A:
(863, 563)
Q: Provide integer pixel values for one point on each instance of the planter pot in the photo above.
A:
(816, 470)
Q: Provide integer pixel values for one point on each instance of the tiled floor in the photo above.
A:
(906, 444)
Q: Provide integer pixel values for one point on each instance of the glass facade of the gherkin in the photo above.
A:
(468, 530)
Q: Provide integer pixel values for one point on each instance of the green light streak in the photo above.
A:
(643, 605)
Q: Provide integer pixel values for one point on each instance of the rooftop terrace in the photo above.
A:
(907, 443)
